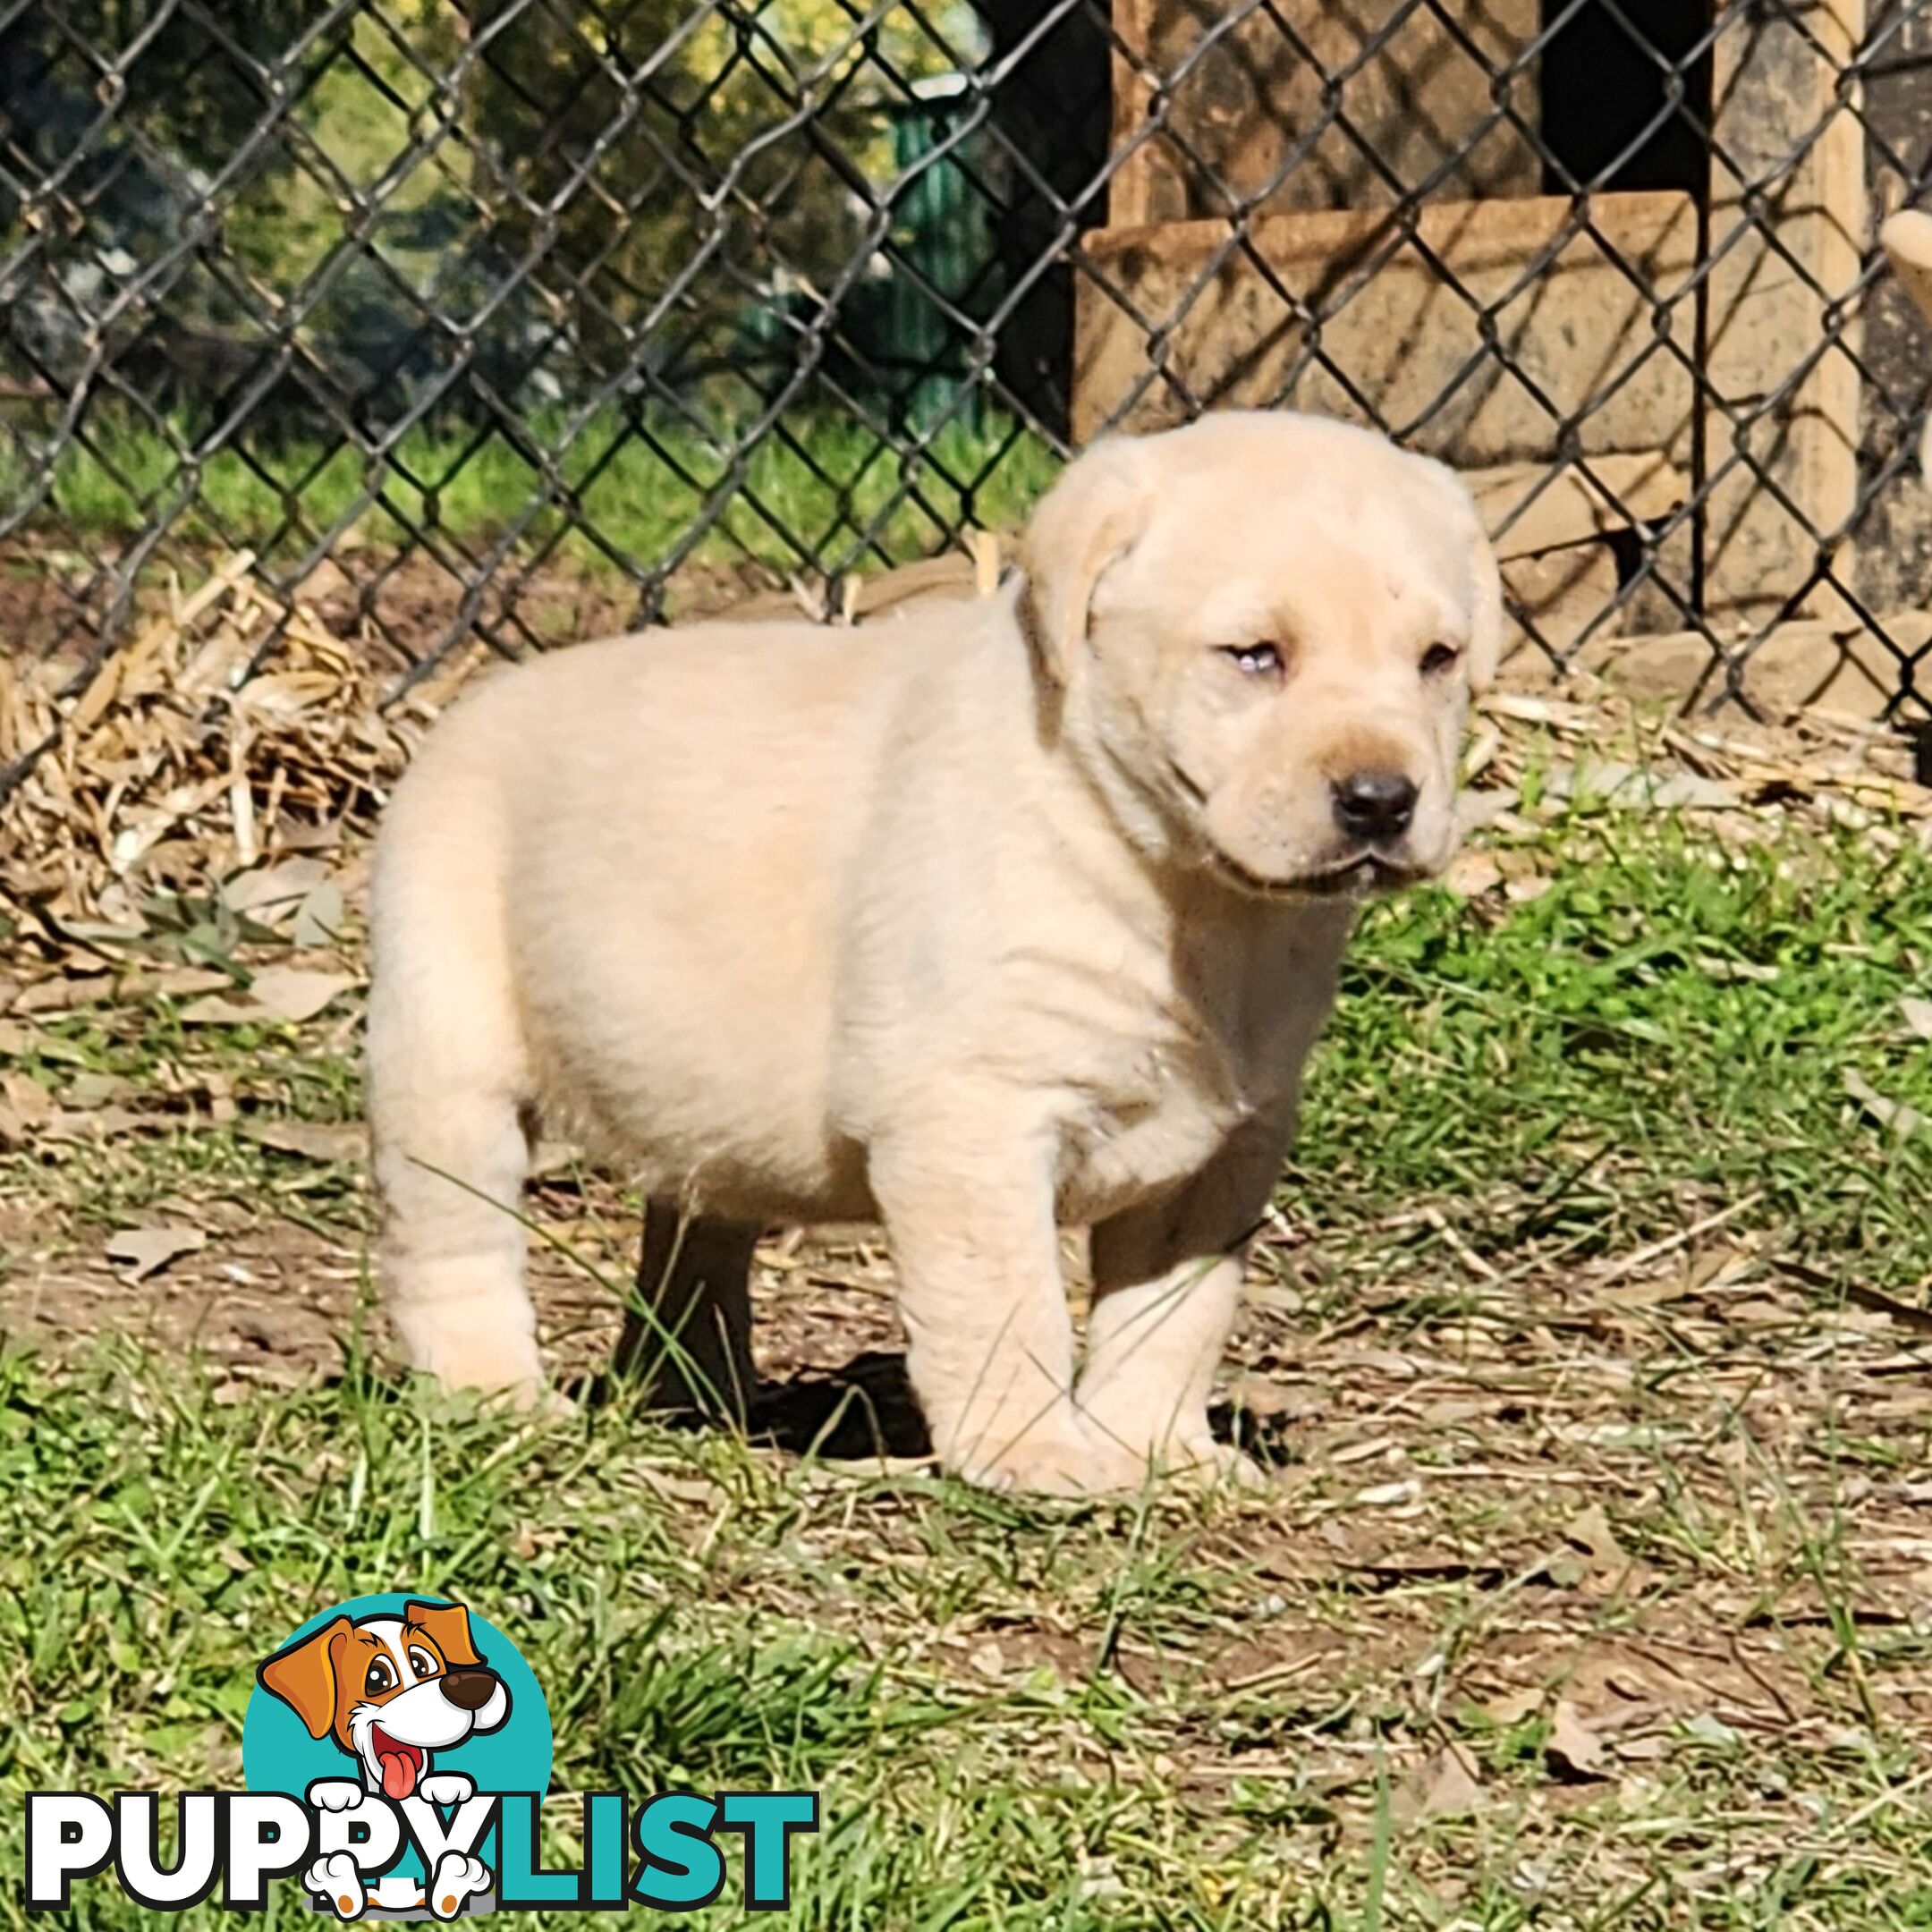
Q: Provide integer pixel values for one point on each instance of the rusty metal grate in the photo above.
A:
(522, 317)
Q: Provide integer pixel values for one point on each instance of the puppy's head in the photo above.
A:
(391, 1690)
(1265, 630)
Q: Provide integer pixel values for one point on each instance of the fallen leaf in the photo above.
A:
(1471, 873)
(1511, 1706)
(183, 982)
(1433, 1561)
(274, 1331)
(219, 1011)
(96, 1089)
(1894, 1114)
(1644, 1294)
(325, 837)
(1590, 1531)
(1642, 1749)
(319, 920)
(1486, 806)
(1565, 1570)
(295, 994)
(28, 1100)
(62, 995)
(1571, 1746)
(1446, 1786)
(273, 893)
(1687, 791)
(1918, 1015)
(143, 1251)
(1382, 1496)
(316, 1140)
(284, 994)
(108, 932)
(1527, 710)
(99, 1123)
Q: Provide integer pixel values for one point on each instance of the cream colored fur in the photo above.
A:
(988, 918)
(1907, 237)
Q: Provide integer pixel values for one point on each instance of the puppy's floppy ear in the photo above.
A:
(1487, 615)
(1486, 610)
(1088, 521)
(303, 1676)
(447, 1626)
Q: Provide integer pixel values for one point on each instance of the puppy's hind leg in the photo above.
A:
(446, 1088)
(688, 1339)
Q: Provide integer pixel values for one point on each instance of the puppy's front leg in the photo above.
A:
(990, 1348)
(1166, 1289)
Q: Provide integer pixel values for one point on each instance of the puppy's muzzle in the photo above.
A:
(1375, 807)
(470, 1690)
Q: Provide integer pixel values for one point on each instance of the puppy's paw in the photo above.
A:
(1062, 1461)
(336, 1794)
(446, 1788)
(336, 1879)
(522, 1394)
(457, 1879)
(490, 1349)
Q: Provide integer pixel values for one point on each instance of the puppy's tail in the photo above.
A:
(448, 1080)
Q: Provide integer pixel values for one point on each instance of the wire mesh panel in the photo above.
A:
(532, 318)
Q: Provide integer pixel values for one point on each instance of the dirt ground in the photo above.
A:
(1487, 1453)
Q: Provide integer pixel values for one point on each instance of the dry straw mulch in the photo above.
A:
(229, 731)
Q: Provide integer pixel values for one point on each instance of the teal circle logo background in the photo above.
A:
(278, 1755)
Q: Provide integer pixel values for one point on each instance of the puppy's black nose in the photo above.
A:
(1375, 804)
(468, 1689)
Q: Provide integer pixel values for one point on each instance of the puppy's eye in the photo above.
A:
(381, 1677)
(1258, 660)
(1439, 660)
(421, 1662)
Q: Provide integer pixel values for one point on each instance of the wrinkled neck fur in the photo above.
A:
(1049, 698)
(1137, 810)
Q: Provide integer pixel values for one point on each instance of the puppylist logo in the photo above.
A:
(396, 1751)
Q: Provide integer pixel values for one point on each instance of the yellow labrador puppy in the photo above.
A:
(993, 918)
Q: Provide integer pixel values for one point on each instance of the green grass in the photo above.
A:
(821, 486)
(1672, 1020)
(1015, 1714)
(700, 1621)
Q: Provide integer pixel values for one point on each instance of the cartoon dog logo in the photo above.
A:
(390, 1690)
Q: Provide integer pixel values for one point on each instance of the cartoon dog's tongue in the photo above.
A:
(399, 1762)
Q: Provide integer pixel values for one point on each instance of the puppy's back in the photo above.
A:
(650, 847)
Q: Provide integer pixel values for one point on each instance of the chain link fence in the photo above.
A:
(525, 319)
